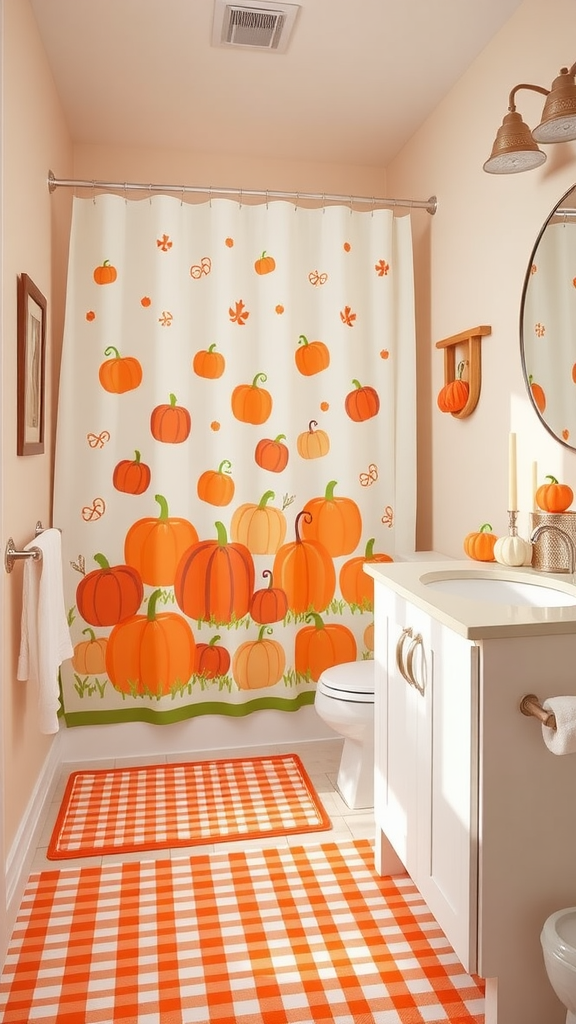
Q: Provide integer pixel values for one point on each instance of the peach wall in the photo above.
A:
(475, 254)
(34, 137)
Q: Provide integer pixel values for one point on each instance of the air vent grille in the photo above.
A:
(257, 25)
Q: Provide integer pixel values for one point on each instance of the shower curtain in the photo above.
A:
(236, 437)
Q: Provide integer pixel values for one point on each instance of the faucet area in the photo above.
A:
(288, 711)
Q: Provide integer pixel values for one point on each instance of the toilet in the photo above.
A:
(558, 939)
(345, 701)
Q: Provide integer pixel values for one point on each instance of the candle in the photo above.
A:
(512, 495)
(534, 485)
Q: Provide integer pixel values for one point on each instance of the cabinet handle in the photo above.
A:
(416, 643)
(404, 635)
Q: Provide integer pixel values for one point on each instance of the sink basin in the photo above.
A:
(494, 590)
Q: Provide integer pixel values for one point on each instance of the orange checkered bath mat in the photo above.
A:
(155, 807)
(294, 934)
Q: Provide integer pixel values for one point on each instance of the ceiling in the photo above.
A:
(358, 79)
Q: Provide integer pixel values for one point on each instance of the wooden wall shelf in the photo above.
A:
(472, 339)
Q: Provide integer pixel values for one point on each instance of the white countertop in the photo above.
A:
(477, 619)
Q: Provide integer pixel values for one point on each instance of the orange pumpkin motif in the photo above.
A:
(261, 527)
(313, 444)
(363, 403)
(105, 274)
(250, 403)
(90, 655)
(554, 497)
(211, 659)
(480, 545)
(265, 264)
(109, 594)
(132, 475)
(538, 394)
(305, 571)
(151, 655)
(216, 486)
(336, 523)
(272, 454)
(120, 373)
(154, 546)
(258, 663)
(356, 586)
(368, 636)
(208, 363)
(269, 604)
(321, 646)
(215, 580)
(170, 423)
(312, 357)
(454, 395)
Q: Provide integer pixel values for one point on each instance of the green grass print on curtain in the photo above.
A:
(236, 436)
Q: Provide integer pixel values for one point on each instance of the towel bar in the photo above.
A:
(11, 555)
(530, 705)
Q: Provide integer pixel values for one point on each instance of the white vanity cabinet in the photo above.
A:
(426, 766)
(468, 798)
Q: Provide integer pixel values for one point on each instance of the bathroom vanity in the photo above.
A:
(468, 798)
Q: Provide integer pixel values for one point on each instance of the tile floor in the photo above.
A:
(320, 759)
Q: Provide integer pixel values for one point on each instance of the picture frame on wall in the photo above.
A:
(31, 367)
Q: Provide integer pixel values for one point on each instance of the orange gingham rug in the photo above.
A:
(276, 936)
(155, 807)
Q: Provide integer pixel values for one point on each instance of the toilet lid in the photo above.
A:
(353, 680)
(559, 935)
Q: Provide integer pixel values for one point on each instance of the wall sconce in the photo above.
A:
(516, 147)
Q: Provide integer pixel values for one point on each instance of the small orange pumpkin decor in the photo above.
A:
(454, 395)
(538, 394)
(171, 423)
(215, 580)
(211, 660)
(151, 655)
(311, 357)
(109, 594)
(336, 523)
(368, 636)
(480, 545)
(120, 373)
(269, 604)
(322, 645)
(356, 586)
(363, 403)
(90, 655)
(132, 475)
(154, 546)
(261, 527)
(554, 497)
(258, 663)
(216, 486)
(106, 273)
(250, 403)
(313, 444)
(272, 454)
(208, 363)
(305, 571)
(265, 264)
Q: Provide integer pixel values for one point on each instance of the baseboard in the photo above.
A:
(23, 849)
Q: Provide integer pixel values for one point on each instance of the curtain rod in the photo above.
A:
(431, 204)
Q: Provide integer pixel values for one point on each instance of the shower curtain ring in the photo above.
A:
(296, 203)
(266, 198)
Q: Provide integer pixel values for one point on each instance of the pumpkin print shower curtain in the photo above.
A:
(236, 437)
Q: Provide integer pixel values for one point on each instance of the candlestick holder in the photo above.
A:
(512, 521)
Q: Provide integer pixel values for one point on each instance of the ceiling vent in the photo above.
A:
(253, 26)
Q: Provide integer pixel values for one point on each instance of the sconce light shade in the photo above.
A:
(559, 115)
(514, 148)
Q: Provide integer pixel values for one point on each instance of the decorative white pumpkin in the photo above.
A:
(513, 551)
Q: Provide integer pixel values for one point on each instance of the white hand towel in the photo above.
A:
(562, 739)
(45, 638)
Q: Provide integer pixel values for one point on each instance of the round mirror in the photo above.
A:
(548, 322)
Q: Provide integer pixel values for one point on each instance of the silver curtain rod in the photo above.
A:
(430, 205)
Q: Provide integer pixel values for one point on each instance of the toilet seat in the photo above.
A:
(558, 936)
(351, 682)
